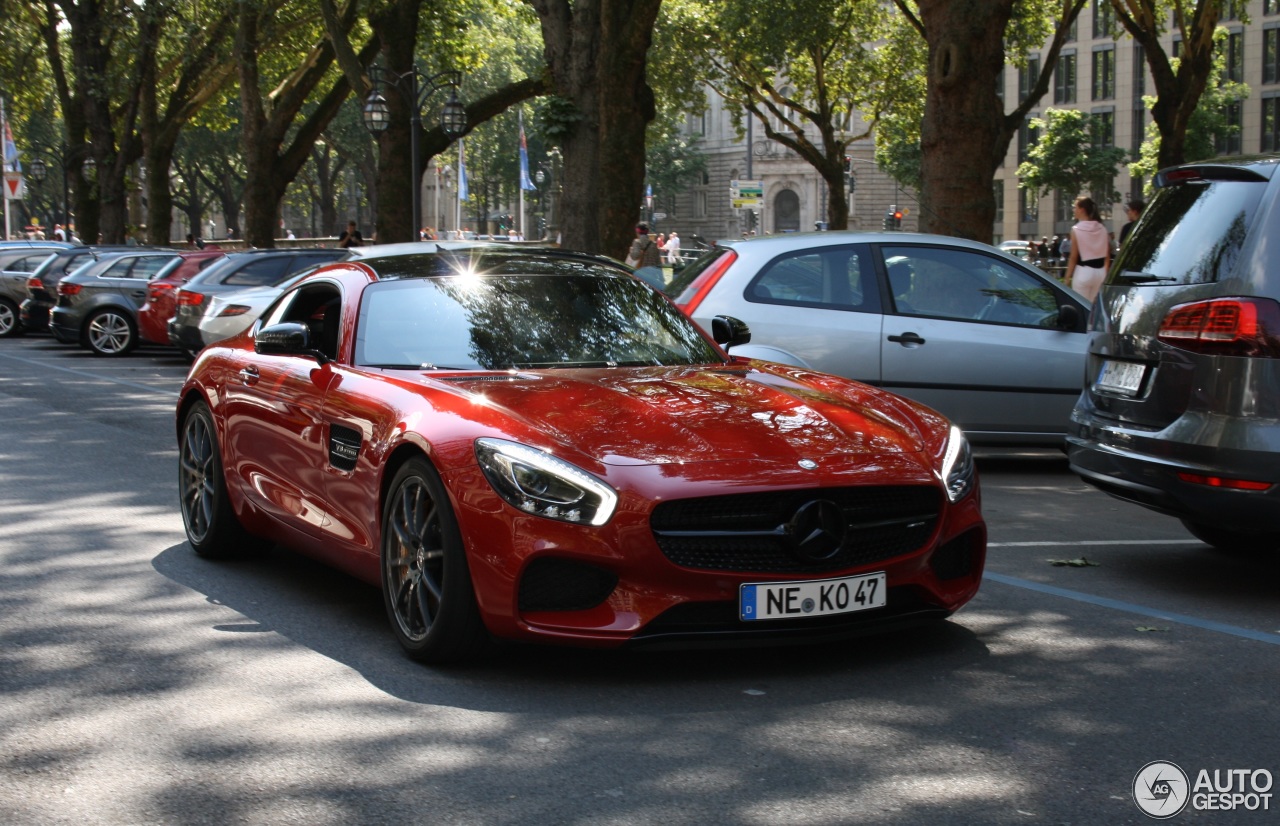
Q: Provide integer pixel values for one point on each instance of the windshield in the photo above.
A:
(1191, 233)
(501, 322)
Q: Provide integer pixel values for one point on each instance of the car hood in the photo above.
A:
(630, 416)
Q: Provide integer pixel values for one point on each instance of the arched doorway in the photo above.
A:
(786, 211)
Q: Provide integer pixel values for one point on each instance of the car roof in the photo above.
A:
(765, 244)
(508, 257)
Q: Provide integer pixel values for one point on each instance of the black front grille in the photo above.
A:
(748, 532)
(553, 584)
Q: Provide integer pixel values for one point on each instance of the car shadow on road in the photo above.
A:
(344, 619)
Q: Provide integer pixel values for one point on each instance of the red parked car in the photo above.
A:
(535, 445)
(161, 302)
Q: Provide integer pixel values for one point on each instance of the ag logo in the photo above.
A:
(1161, 789)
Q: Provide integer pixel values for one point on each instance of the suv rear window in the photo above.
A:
(1192, 231)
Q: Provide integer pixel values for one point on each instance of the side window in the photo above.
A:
(146, 267)
(119, 269)
(260, 272)
(966, 286)
(319, 307)
(28, 264)
(836, 278)
(311, 259)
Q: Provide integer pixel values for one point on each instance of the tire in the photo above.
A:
(10, 321)
(212, 528)
(1239, 543)
(426, 583)
(110, 332)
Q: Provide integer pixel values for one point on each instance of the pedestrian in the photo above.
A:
(290, 236)
(351, 237)
(1042, 249)
(1090, 256)
(59, 234)
(131, 237)
(191, 242)
(673, 249)
(644, 252)
(1131, 210)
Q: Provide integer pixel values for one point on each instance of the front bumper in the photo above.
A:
(185, 336)
(652, 601)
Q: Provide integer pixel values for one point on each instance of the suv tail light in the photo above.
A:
(34, 283)
(187, 298)
(1225, 327)
(701, 286)
(69, 289)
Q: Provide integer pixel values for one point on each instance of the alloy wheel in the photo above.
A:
(414, 555)
(110, 333)
(197, 478)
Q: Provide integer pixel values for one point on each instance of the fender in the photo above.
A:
(765, 352)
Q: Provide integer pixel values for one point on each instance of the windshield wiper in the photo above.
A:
(1146, 277)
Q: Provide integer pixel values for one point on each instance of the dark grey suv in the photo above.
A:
(1181, 407)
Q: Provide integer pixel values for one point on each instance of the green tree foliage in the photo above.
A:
(1208, 123)
(816, 75)
(1072, 156)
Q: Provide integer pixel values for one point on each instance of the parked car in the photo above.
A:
(42, 286)
(237, 271)
(538, 446)
(1181, 412)
(17, 263)
(233, 312)
(98, 303)
(162, 292)
(993, 344)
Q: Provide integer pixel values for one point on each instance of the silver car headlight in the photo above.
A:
(537, 482)
(958, 471)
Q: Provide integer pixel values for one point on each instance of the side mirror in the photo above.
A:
(729, 331)
(286, 339)
(1068, 317)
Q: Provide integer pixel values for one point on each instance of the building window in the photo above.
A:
(1230, 10)
(1000, 85)
(1064, 79)
(1104, 19)
(1229, 144)
(700, 204)
(1104, 74)
(1028, 76)
(1139, 73)
(1063, 206)
(1271, 124)
(1027, 137)
(1027, 206)
(1270, 7)
(1139, 131)
(1104, 127)
(1177, 46)
(997, 189)
(1074, 31)
(1235, 57)
(1271, 54)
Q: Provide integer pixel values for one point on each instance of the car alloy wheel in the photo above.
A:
(211, 524)
(425, 580)
(110, 333)
(8, 318)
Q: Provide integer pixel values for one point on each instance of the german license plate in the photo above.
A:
(1123, 377)
(811, 597)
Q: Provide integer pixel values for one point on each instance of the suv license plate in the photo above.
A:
(1123, 377)
(811, 598)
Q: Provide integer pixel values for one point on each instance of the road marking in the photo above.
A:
(1132, 608)
(1095, 542)
(46, 365)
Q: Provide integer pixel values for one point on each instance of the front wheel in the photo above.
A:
(110, 332)
(212, 527)
(1242, 543)
(426, 583)
(10, 323)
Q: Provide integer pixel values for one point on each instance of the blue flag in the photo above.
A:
(525, 182)
(462, 173)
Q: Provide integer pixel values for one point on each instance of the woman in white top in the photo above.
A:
(1090, 251)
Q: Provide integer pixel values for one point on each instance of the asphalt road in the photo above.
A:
(143, 685)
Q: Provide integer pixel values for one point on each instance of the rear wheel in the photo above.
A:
(212, 527)
(1232, 541)
(426, 583)
(9, 322)
(110, 332)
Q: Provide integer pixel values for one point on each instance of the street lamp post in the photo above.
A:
(38, 171)
(415, 88)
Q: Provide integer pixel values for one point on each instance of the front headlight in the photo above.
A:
(537, 482)
(958, 472)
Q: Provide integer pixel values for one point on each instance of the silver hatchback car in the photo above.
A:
(994, 344)
(1182, 410)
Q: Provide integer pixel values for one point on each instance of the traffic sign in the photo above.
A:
(746, 194)
(13, 188)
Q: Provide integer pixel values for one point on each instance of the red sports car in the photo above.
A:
(536, 445)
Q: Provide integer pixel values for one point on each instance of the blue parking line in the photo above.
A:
(1131, 608)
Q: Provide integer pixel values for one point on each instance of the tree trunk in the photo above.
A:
(962, 136)
(597, 51)
(397, 29)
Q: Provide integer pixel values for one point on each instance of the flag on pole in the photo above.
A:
(11, 157)
(525, 183)
(463, 194)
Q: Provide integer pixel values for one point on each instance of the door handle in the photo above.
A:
(249, 375)
(907, 338)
